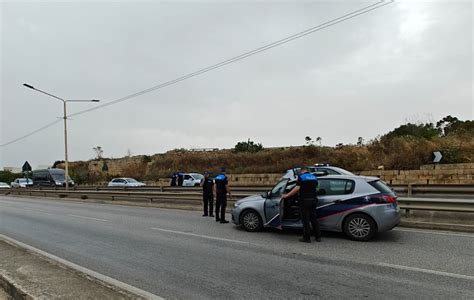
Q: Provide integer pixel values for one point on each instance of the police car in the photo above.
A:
(356, 205)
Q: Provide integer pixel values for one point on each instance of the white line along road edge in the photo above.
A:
(101, 277)
(454, 275)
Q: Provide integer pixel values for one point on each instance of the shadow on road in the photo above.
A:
(389, 236)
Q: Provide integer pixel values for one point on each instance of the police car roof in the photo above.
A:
(354, 177)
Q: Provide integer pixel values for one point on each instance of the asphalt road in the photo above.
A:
(179, 254)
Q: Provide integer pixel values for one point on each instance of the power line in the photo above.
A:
(319, 27)
(31, 133)
(298, 35)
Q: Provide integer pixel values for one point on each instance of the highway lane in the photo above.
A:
(179, 254)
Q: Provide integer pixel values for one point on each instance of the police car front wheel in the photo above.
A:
(251, 221)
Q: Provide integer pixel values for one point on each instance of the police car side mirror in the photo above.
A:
(266, 195)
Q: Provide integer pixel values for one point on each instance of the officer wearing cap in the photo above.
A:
(221, 189)
(207, 195)
(306, 188)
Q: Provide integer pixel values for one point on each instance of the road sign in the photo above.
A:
(26, 167)
(437, 157)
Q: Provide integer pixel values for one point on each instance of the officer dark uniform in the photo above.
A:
(221, 188)
(306, 187)
(207, 195)
(173, 179)
(180, 178)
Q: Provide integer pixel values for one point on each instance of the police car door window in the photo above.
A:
(339, 186)
(278, 189)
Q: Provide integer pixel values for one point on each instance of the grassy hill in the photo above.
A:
(406, 147)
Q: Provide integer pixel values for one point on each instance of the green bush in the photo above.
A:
(248, 146)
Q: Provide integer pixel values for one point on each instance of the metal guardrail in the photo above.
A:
(435, 190)
(410, 190)
(194, 197)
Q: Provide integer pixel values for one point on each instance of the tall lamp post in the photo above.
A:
(65, 125)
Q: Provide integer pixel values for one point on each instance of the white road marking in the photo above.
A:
(88, 218)
(97, 275)
(35, 210)
(435, 232)
(200, 235)
(454, 275)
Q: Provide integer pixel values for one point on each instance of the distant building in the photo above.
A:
(42, 167)
(12, 169)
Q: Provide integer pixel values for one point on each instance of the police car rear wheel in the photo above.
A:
(251, 221)
(360, 227)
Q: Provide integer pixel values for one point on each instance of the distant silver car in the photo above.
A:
(4, 185)
(356, 205)
(192, 179)
(125, 182)
(21, 183)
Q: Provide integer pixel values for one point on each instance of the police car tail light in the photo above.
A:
(389, 198)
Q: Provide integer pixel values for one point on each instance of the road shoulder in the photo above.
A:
(27, 275)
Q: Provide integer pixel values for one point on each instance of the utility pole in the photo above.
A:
(66, 162)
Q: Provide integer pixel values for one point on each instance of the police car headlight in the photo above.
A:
(236, 204)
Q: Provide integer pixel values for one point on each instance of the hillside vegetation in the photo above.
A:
(407, 147)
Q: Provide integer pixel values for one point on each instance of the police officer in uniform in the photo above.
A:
(221, 189)
(306, 188)
(173, 179)
(180, 178)
(207, 195)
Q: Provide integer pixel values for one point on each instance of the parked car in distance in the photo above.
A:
(324, 169)
(4, 185)
(51, 177)
(356, 205)
(192, 179)
(124, 182)
(21, 183)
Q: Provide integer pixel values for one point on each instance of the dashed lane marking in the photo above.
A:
(453, 275)
(88, 218)
(200, 235)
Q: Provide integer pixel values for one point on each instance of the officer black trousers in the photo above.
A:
(308, 215)
(221, 204)
(208, 201)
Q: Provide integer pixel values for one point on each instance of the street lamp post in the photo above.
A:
(66, 164)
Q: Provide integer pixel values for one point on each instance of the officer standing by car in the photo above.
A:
(173, 179)
(180, 178)
(207, 195)
(221, 189)
(306, 188)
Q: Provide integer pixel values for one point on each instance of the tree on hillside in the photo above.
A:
(56, 163)
(452, 125)
(309, 141)
(248, 146)
(426, 131)
(98, 152)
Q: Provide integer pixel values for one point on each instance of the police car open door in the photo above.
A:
(273, 204)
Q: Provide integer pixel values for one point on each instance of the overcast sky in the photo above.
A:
(407, 61)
